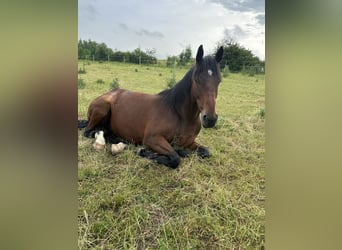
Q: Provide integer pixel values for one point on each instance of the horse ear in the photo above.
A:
(199, 55)
(219, 54)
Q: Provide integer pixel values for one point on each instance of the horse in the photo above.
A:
(167, 123)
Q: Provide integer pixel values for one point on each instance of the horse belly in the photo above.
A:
(127, 128)
(130, 114)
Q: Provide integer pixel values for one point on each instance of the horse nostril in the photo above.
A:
(204, 117)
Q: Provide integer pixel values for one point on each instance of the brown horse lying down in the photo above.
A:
(172, 117)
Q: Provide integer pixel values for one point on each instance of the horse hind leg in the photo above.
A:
(82, 124)
(98, 119)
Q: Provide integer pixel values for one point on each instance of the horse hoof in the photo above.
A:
(98, 146)
(182, 153)
(117, 148)
(89, 134)
(99, 143)
(203, 152)
(141, 152)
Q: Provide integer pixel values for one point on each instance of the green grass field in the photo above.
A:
(128, 202)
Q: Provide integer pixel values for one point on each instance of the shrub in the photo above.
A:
(81, 83)
(226, 71)
(251, 70)
(170, 82)
(82, 70)
(262, 113)
(114, 84)
(100, 81)
(172, 61)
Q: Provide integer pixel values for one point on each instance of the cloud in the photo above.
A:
(89, 11)
(236, 33)
(242, 5)
(141, 32)
(125, 25)
(144, 32)
(261, 19)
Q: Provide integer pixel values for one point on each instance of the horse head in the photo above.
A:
(205, 80)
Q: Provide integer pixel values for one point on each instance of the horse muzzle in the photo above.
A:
(209, 121)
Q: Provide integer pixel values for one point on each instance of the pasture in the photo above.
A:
(129, 202)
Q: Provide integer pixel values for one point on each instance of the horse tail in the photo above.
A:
(82, 124)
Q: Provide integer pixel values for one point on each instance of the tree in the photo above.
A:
(101, 51)
(149, 56)
(83, 51)
(140, 57)
(86, 49)
(151, 52)
(120, 56)
(92, 50)
(185, 56)
(171, 61)
(237, 57)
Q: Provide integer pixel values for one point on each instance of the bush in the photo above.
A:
(114, 84)
(226, 71)
(82, 70)
(171, 81)
(172, 61)
(252, 70)
(262, 113)
(81, 83)
(100, 81)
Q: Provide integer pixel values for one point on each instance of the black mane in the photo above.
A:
(176, 96)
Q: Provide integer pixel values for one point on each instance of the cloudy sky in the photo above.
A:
(170, 25)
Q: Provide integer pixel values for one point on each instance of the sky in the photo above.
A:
(169, 26)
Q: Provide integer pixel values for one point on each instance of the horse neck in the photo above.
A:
(180, 99)
(187, 108)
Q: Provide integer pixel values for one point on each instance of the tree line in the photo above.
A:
(88, 49)
(235, 57)
(239, 59)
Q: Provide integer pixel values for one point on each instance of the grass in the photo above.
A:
(81, 83)
(114, 84)
(128, 202)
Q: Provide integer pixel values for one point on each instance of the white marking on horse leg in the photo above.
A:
(100, 142)
(117, 148)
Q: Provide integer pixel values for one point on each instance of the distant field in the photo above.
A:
(128, 202)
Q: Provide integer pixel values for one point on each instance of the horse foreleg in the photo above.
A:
(201, 151)
(163, 152)
(183, 152)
